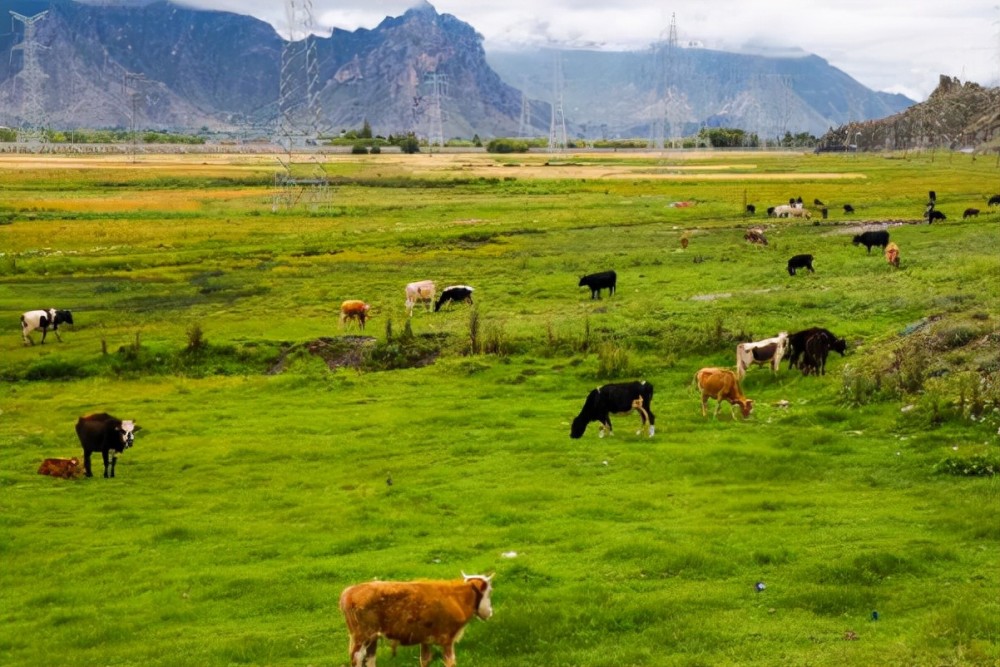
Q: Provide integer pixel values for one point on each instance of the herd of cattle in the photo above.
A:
(428, 613)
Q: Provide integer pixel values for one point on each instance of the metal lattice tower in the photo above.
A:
(439, 89)
(557, 127)
(524, 127)
(132, 91)
(31, 132)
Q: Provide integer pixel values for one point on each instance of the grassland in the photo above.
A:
(257, 489)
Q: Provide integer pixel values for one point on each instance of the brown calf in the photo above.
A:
(354, 309)
(892, 254)
(65, 468)
(722, 385)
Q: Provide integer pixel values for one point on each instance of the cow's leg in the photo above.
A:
(114, 460)
(425, 655)
(652, 421)
(448, 654)
(45, 330)
(370, 649)
(55, 330)
(86, 463)
(104, 455)
(357, 653)
(704, 405)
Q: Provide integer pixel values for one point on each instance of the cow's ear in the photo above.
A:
(136, 428)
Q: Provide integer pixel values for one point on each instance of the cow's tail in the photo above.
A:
(741, 361)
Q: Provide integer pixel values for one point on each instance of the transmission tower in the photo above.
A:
(132, 91)
(31, 132)
(557, 128)
(524, 127)
(439, 89)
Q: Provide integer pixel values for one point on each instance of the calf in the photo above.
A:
(354, 309)
(598, 281)
(722, 385)
(892, 255)
(413, 612)
(65, 468)
(43, 319)
(800, 262)
(768, 351)
(848, 209)
(970, 213)
(934, 214)
(872, 238)
(456, 294)
(421, 291)
(105, 434)
(797, 344)
(620, 399)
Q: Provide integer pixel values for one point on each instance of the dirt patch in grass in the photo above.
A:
(341, 352)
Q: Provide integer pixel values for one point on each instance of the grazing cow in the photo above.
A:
(817, 202)
(800, 262)
(419, 292)
(684, 242)
(872, 238)
(892, 255)
(755, 236)
(767, 351)
(455, 293)
(598, 281)
(994, 201)
(970, 213)
(354, 309)
(848, 209)
(797, 344)
(413, 612)
(65, 468)
(798, 212)
(620, 399)
(783, 211)
(933, 215)
(751, 209)
(105, 434)
(722, 385)
(43, 319)
(818, 347)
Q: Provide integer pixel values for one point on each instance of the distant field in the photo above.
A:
(257, 489)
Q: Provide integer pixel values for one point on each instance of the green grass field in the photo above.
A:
(257, 489)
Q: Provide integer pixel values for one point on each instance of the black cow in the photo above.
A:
(817, 202)
(994, 201)
(873, 238)
(848, 209)
(935, 215)
(751, 209)
(770, 211)
(619, 398)
(456, 293)
(818, 347)
(105, 434)
(797, 343)
(43, 319)
(970, 213)
(598, 281)
(932, 197)
(800, 262)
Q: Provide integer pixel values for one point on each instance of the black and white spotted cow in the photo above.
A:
(103, 433)
(44, 319)
(621, 398)
(456, 293)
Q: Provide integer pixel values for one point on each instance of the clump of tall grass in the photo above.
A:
(613, 360)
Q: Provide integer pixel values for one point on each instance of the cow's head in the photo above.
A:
(483, 587)
(746, 405)
(840, 345)
(586, 415)
(127, 433)
(64, 316)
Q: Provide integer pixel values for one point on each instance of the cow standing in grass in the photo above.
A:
(797, 344)
(598, 281)
(621, 398)
(421, 291)
(43, 319)
(354, 309)
(722, 385)
(105, 434)
(456, 294)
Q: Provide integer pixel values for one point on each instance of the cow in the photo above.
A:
(456, 294)
(931, 197)
(419, 292)
(817, 202)
(65, 468)
(892, 255)
(105, 434)
(994, 201)
(970, 213)
(751, 209)
(770, 212)
(934, 214)
(798, 212)
(797, 344)
(800, 262)
(755, 236)
(722, 385)
(768, 351)
(620, 399)
(848, 209)
(783, 211)
(43, 319)
(354, 309)
(598, 281)
(818, 347)
(684, 242)
(413, 612)
(872, 238)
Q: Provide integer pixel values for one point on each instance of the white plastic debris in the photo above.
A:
(509, 554)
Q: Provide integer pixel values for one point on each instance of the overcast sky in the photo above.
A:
(899, 46)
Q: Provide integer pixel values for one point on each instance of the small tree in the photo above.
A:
(410, 144)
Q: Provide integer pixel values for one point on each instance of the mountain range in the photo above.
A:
(165, 66)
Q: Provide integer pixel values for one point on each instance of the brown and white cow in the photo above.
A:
(421, 291)
(413, 612)
(722, 385)
(65, 468)
(354, 309)
(892, 255)
(767, 351)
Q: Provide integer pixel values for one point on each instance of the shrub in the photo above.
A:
(506, 146)
(359, 149)
(196, 338)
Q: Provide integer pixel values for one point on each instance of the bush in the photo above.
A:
(359, 149)
(375, 150)
(507, 146)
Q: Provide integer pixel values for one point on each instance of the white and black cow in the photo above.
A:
(103, 433)
(767, 352)
(43, 319)
(456, 293)
(620, 399)
(598, 281)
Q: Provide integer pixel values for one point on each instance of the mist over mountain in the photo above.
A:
(182, 69)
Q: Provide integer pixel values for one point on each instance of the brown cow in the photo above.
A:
(354, 309)
(722, 385)
(65, 468)
(413, 612)
(892, 254)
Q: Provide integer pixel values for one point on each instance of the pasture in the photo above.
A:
(263, 481)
